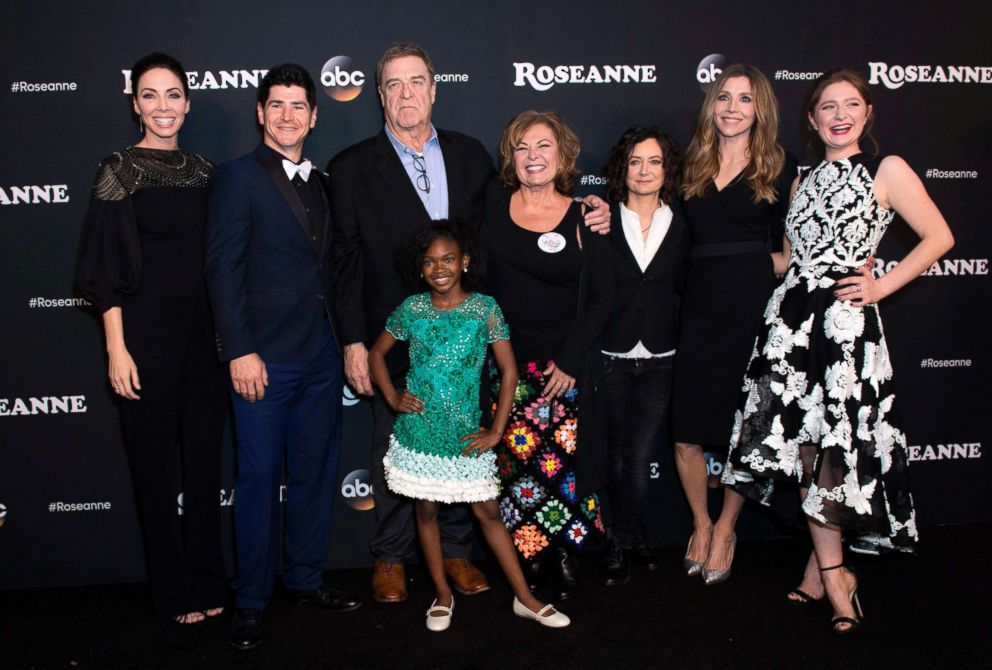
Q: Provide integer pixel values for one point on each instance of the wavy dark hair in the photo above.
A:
(410, 254)
(287, 74)
(615, 169)
(813, 141)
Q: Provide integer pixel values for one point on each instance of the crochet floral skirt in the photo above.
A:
(536, 462)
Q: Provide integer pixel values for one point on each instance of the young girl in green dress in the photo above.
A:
(438, 453)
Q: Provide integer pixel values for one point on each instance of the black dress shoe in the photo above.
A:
(565, 574)
(616, 565)
(328, 598)
(246, 628)
(643, 554)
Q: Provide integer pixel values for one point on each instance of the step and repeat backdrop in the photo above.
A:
(66, 512)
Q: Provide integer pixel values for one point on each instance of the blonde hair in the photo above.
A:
(766, 157)
(568, 149)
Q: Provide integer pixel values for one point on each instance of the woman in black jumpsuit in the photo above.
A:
(141, 265)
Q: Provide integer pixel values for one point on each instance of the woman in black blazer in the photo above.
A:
(649, 246)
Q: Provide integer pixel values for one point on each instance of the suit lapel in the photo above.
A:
(397, 180)
(455, 174)
(272, 162)
(327, 231)
(620, 238)
(670, 239)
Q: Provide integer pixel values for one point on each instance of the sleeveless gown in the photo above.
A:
(817, 403)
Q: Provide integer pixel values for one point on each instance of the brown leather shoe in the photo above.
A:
(388, 582)
(467, 578)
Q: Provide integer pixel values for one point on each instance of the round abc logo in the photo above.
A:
(709, 69)
(348, 397)
(714, 464)
(340, 81)
(3, 513)
(356, 489)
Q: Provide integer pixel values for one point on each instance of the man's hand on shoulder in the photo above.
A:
(598, 214)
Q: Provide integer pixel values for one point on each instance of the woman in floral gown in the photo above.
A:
(818, 400)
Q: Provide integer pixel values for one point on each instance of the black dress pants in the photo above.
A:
(173, 436)
(638, 391)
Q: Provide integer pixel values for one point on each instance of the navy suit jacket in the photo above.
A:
(270, 286)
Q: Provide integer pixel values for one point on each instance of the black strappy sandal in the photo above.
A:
(852, 623)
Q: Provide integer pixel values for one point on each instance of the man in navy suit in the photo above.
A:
(267, 242)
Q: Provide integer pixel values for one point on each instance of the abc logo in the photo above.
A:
(356, 489)
(340, 82)
(714, 468)
(709, 69)
(348, 397)
(3, 513)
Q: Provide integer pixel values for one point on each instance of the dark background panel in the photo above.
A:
(56, 139)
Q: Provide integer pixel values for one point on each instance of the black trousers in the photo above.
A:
(638, 393)
(396, 530)
(173, 436)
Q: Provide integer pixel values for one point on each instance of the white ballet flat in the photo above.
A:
(439, 623)
(556, 620)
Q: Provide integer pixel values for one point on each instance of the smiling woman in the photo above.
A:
(538, 251)
(140, 259)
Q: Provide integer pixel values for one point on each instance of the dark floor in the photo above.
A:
(929, 611)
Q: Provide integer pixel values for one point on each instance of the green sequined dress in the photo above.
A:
(447, 348)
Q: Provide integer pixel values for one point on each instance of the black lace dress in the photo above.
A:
(142, 251)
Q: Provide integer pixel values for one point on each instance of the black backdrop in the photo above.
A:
(66, 515)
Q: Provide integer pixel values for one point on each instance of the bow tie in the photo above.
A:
(292, 169)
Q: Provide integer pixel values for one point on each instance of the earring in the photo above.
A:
(816, 127)
(465, 269)
(141, 127)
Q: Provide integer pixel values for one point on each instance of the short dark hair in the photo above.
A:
(615, 170)
(401, 50)
(835, 76)
(287, 74)
(157, 60)
(410, 254)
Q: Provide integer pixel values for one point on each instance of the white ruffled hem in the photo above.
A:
(440, 479)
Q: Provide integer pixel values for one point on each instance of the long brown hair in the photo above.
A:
(702, 159)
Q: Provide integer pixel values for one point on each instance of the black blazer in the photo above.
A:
(640, 306)
(376, 208)
(270, 286)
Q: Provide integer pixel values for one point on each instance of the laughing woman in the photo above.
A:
(141, 265)
(818, 399)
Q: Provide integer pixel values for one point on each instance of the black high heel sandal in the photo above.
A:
(852, 623)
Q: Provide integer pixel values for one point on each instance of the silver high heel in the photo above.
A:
(711, 577)
(693, 568)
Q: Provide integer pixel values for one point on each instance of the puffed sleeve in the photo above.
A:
(398, 323)
(109, 257)
(496, 326)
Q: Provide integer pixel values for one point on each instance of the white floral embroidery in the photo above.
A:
(843, 322)
(820, 377)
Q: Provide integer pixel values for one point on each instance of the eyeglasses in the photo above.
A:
(423, 181)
